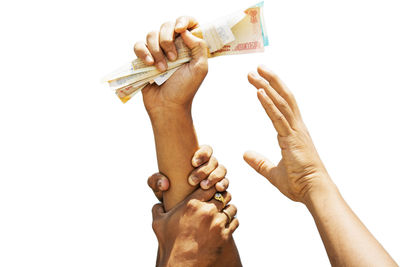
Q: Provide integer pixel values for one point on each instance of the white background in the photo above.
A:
(74, 161)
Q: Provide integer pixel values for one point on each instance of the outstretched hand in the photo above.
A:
(300, 169)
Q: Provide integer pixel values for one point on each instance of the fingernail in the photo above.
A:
(159, 184)
(197, 162)
(262, 92)
(205, 184)
(171, 55)
(193, 180)
(161, 66)
(252, 74)
(149, 59)
(179, 25)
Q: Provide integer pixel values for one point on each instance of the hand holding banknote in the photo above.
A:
(178, 91)
(240, 32)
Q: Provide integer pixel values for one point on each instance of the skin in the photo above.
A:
(202, 174)
(169, 108)
(301, 176)
(169, 105)
(194, 232)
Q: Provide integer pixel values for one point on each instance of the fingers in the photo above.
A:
(233, 226)
(261, 164)
(154, 47)
(185, 22)
(202, 155)
(279, 121)
(227, 197)
(198, 49)
(230, 212)
(216, 175)
(157, 211)
(158, 183)
(280, 87)
(202, 172)
(202, 195)
(222, 185)
(143, 53)
(278, 100)
(197, 46)
(167, 32)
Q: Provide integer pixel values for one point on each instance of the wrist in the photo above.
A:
(172, 110)
(321, 190)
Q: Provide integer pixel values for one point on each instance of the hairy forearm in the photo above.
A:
(176, 142)
(347, 241)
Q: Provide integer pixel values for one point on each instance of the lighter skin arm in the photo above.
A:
(302, 177)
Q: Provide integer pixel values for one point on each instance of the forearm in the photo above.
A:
(180, 255)
(347, 241)
(176, 142)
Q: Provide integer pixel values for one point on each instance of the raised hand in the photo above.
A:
(300, 169)
(179, 90)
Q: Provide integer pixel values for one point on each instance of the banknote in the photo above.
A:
(238, 33)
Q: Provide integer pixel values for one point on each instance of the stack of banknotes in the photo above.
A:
(239, 33)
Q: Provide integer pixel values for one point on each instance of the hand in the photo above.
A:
(300, 170)
(178, 91)
(195, 232)
(207, 172)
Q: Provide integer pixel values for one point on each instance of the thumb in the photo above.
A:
(197, 46)
(259, 163)
(157, 211)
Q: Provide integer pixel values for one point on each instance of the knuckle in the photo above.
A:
(223, 170)
(192, 205)
(219, 222)
(225, 183)
(208, 149)
(233, 207)
(206, 211)
(181, 19)
(236, 224)
(270, 103)
(228, 197)
(279, 117)
(282, 103)
(166, 43)
(273, 77)
(201, 173)
(137, 47)
(213, 161)
(260, 166)
(151, 35)
(155, 225)
(166, 24)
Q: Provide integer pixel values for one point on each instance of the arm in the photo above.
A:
(347, 241)
(176, 142)
(301, 176)
(169, 106)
